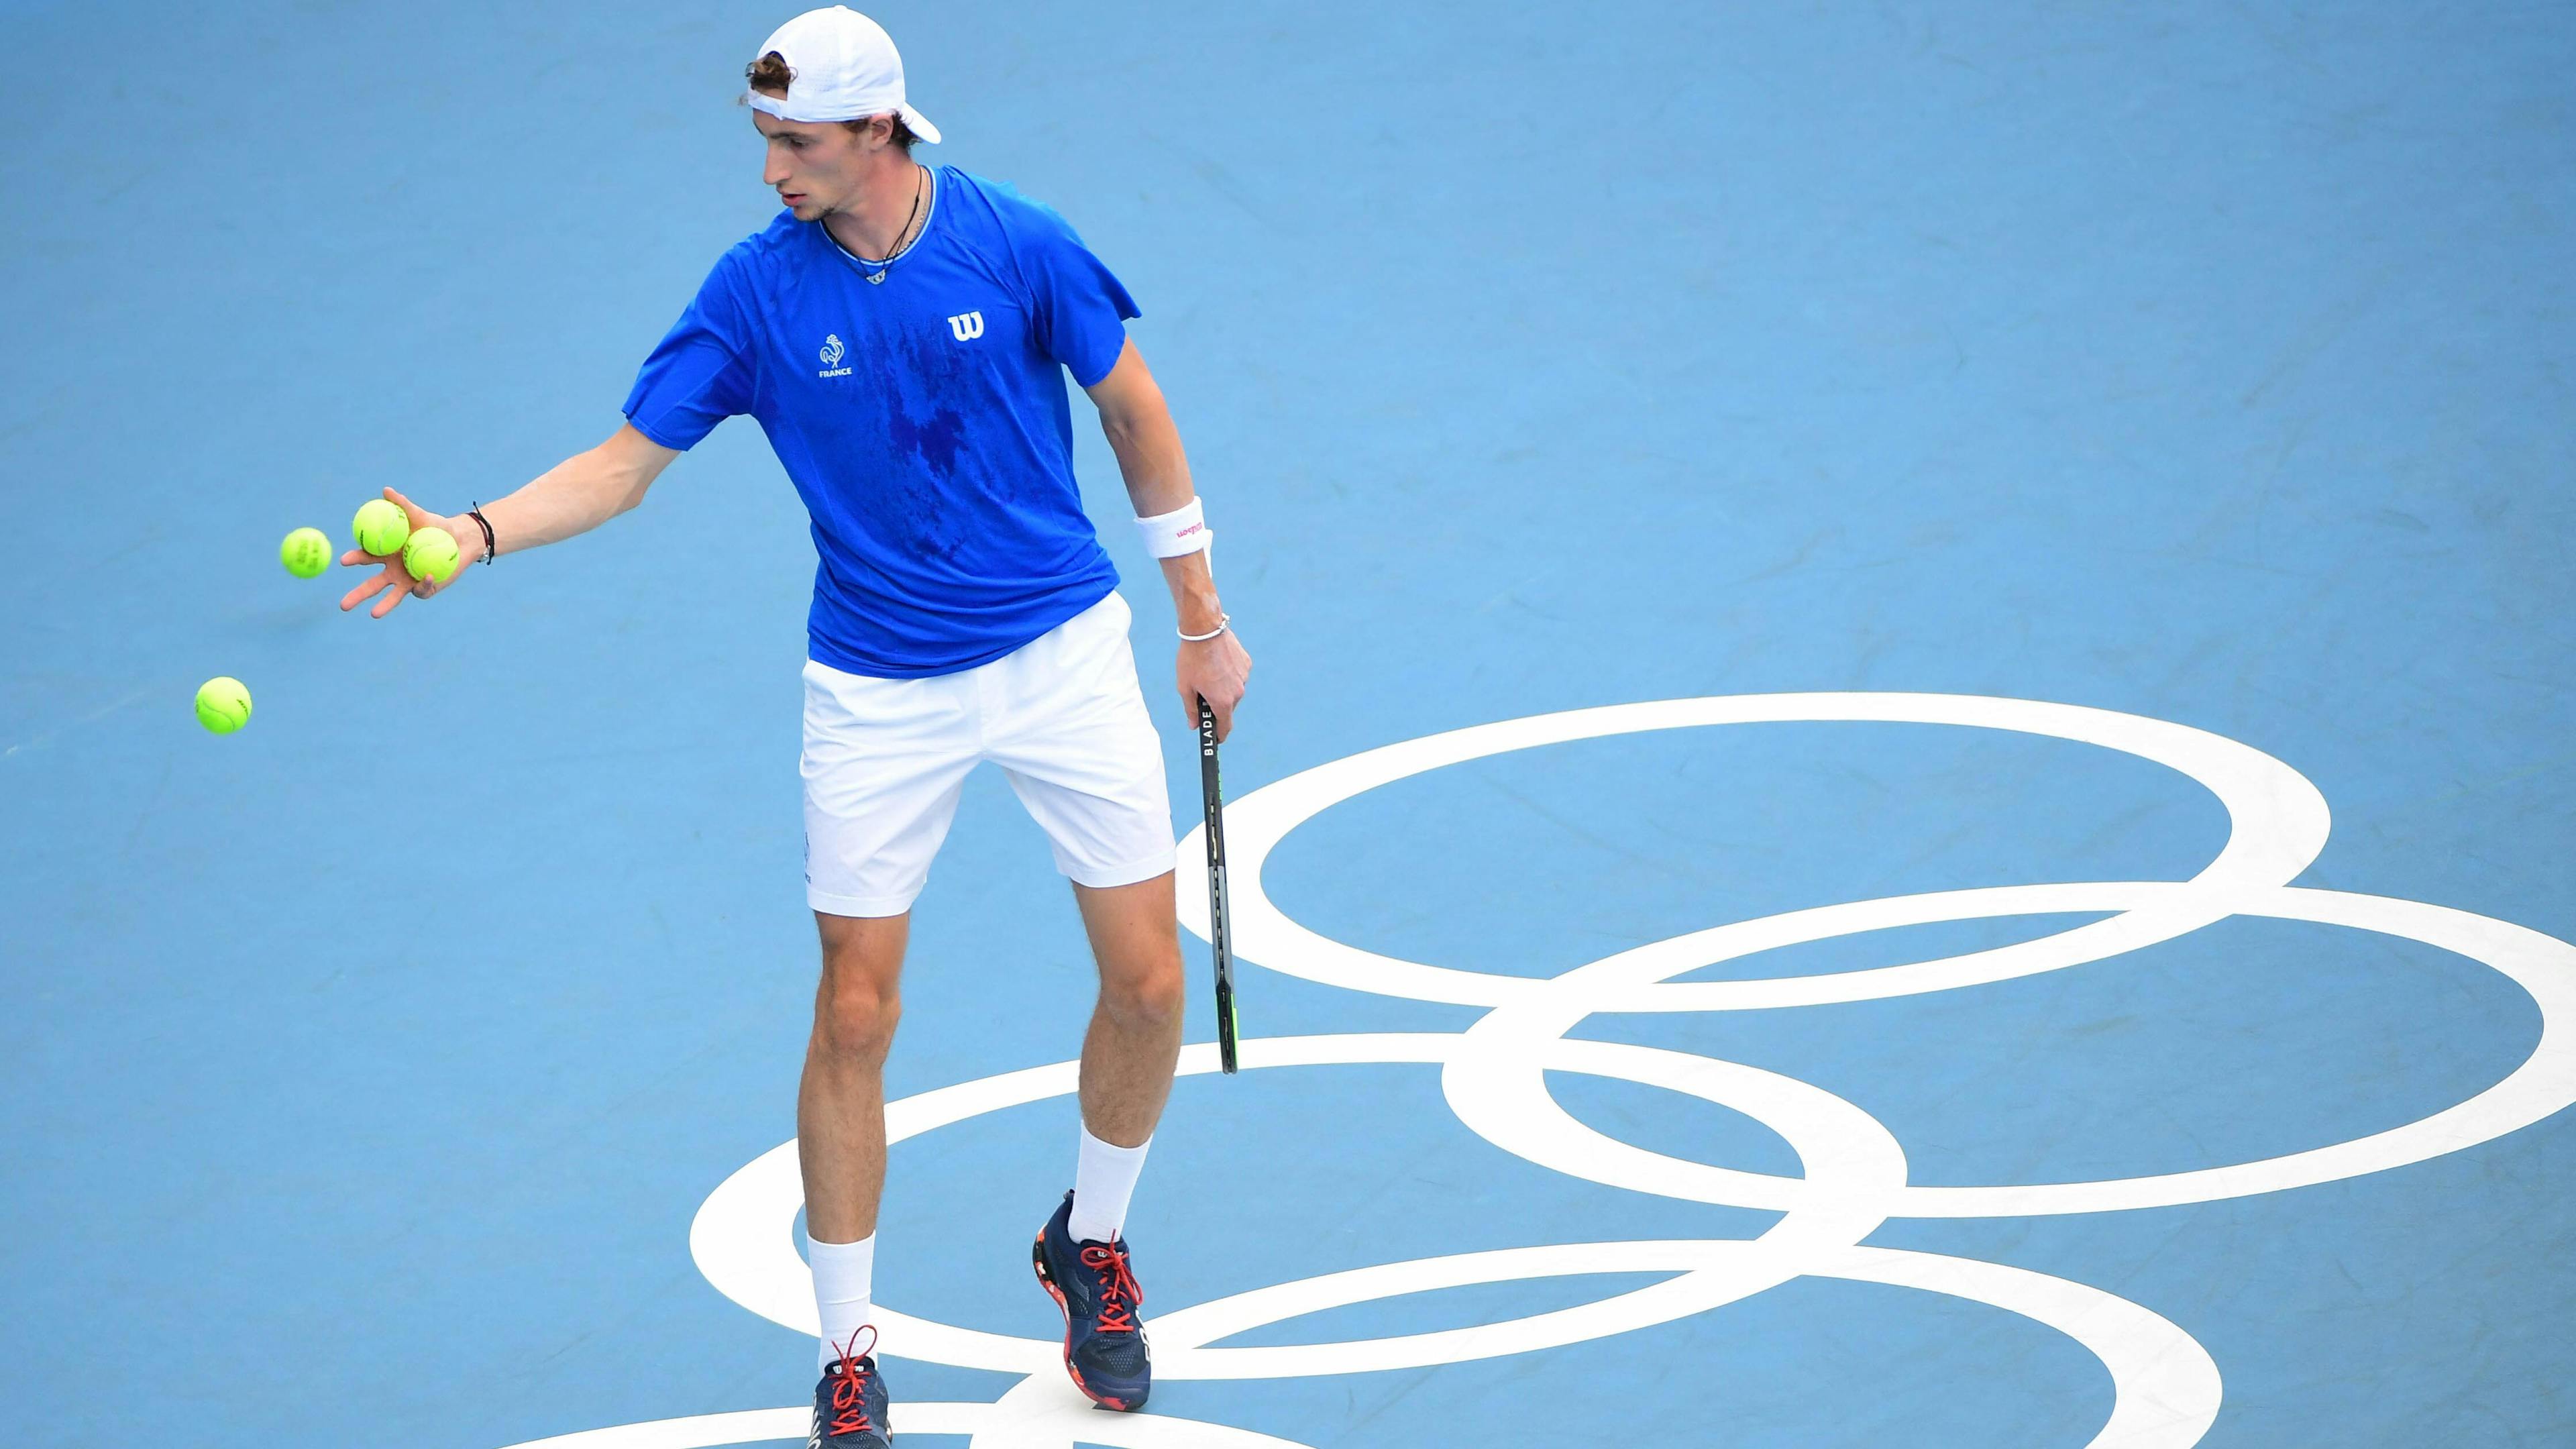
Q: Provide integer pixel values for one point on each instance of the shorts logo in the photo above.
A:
(832, 354)
(967, 325)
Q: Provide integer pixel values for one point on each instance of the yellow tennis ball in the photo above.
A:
(382, 526)
(306, 553)
(223, 704)
(431, 554)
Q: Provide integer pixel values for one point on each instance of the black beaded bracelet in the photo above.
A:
(490, 547)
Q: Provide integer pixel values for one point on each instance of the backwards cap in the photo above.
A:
(845, 67)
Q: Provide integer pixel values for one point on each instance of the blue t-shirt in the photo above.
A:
(923, 418)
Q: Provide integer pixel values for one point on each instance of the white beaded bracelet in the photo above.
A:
(1221, 621)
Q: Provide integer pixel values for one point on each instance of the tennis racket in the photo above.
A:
(1220, 934)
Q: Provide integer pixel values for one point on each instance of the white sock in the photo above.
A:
(1104, 1178)
(844, 1277)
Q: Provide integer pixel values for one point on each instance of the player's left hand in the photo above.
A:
(1214, 670)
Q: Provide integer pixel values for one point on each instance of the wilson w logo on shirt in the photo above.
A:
(967, 325)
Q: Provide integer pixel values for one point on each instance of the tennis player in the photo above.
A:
(901, 333)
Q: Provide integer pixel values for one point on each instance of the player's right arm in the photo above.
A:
(698, 375)
(575, 496)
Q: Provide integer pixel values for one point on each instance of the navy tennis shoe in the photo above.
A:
(1095, 1285)
(850, 1402)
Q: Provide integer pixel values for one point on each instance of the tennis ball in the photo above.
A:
(223, 704)
(381, 526)
(431, 554)
(306, 553)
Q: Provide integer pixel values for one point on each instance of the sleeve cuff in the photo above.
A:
(1105, 368)
(662, 435)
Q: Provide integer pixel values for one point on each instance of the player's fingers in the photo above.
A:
(355, 558)
(365, 590)
(420, 517)
(393, 597)
(1224, 717)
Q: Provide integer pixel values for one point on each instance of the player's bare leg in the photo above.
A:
(1135, 1035)
(1127, 1061)
(840, 1138)
(840, 1104)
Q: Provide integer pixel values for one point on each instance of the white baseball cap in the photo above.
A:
(845, 67)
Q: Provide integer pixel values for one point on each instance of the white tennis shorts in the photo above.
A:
(1062, 715)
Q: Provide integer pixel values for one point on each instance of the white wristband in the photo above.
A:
(1181, 531)
(1222, 620)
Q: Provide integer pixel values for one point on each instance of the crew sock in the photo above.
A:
(844, 1277)
(1104, 1178)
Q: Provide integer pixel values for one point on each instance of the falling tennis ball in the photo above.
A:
(306, 553)
(382, 526)
(223, 704)
(431, 554)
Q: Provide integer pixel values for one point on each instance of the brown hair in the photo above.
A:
(771, 73)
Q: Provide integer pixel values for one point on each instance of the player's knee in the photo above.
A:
(1147, 997)
(854, 1019)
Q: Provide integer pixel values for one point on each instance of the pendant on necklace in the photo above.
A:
(876, 276)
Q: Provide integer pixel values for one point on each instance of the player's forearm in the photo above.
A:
(575, 496)
(1150, 458)
(1157, 473)
(1194, 601)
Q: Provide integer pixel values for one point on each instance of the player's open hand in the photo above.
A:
(1215, 670)
(395, 582)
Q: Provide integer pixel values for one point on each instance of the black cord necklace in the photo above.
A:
(919, 178)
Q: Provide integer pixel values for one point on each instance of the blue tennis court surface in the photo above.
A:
(1909, 778)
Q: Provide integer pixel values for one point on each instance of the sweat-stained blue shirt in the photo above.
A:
(922, 416)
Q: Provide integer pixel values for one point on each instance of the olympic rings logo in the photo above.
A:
(2167, 1389)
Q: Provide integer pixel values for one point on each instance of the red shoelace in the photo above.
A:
(1120, 1296)
(850, 1387)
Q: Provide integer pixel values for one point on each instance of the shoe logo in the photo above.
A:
(832, 354)
(967, 325)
